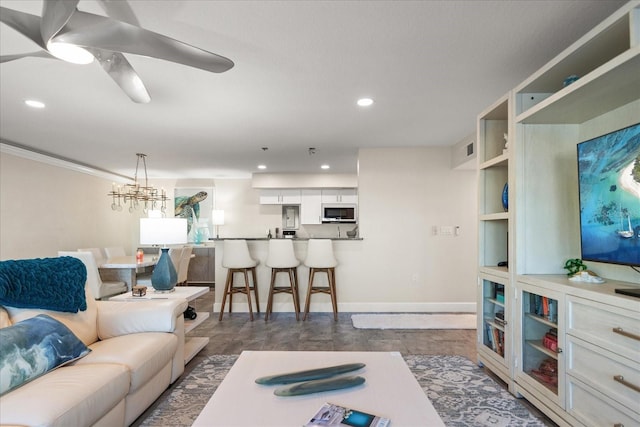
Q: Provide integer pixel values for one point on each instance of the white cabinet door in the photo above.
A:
(290, 197)
(270, 197)
(340, 195)
(311, 207)
(278, 196)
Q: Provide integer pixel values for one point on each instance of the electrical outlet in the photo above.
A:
(414, 278)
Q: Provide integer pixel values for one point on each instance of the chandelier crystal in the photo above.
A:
(136, 195)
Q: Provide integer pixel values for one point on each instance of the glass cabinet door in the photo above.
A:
(493, 317)
(542, 362)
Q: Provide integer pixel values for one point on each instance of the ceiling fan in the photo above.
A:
(66, 33)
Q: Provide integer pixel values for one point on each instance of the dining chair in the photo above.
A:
(98, 255)
(99, 288)
(114, 251)
(183, 268)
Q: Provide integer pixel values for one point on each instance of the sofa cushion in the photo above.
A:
(47, 283)
(144, 354)
(70, 396)
(33, 347)
(83, 324)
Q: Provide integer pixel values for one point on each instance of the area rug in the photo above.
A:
(460, 391)
(414, 321)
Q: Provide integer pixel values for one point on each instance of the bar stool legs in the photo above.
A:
(229, 289)
(330, 290)
(291, 289)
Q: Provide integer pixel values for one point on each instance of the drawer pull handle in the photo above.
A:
(621, 380)
(618, 425)
(624, 333)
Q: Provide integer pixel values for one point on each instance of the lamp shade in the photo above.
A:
(163, 231)
(217, 217)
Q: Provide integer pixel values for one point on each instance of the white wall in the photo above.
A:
(404, 193)
(45, 209)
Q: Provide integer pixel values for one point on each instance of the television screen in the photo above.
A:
(609, 179)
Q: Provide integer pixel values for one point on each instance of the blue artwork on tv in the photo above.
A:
(609, 177)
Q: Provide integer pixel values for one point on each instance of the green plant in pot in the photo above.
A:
(574, 266)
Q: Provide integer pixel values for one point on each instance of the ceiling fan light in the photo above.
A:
(70, 53)
(34, 104)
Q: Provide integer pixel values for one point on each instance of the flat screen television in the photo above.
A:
(609, 182)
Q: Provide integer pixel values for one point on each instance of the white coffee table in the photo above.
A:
(192, 345)
(390, 391)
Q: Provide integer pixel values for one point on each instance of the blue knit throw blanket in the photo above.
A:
(44, 283)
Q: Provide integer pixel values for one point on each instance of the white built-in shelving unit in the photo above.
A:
(544, 120)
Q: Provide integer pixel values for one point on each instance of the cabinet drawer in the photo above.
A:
(595, 323)
(586, 405)
(597, 367)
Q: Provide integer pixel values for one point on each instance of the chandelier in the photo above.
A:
(136, 195)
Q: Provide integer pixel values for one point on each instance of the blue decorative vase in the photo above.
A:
(165, 276)
(505, 197)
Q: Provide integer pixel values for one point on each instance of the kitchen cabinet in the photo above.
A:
(311, 206)
(280, 196)
(340, 195)
(202, 266)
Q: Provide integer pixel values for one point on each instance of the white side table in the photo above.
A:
(192, 345)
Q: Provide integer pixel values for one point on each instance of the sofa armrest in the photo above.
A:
(117, 318)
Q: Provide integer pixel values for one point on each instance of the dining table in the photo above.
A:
(127, 268)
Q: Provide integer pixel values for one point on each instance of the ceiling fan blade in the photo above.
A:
(121, 71)
(26, 24)
(55, 14)
(93, 31)
(39, 54)
(120, 10)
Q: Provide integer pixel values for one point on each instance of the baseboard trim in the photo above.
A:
(359, 307)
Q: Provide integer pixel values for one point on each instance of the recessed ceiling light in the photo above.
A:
(325, 167)
(34, 104)
(365, 102)
(262, 166)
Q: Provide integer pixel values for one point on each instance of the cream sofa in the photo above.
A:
(137, 351)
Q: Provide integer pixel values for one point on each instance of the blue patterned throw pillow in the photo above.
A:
(33, 347)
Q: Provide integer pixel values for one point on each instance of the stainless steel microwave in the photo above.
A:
(339, 213)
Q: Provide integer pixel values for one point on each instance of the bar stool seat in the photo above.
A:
(320, 259)
(236, 259)
(282, 259)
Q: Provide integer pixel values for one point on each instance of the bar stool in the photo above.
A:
(236, 258)
(320, 258)
(281, 259)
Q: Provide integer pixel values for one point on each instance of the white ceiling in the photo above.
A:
(300, 66)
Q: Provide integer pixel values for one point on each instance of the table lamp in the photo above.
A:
(217, 218)
(163, 231)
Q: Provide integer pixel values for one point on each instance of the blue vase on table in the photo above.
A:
(164, 276)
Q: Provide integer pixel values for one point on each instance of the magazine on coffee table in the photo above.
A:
(335, 415)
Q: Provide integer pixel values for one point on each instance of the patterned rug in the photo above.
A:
(460, 391)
